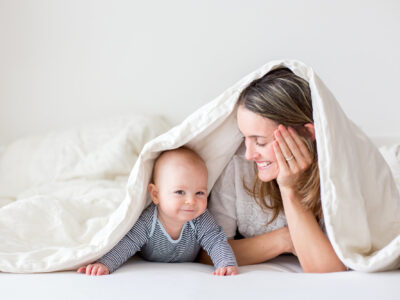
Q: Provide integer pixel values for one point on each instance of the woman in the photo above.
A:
(275, 117)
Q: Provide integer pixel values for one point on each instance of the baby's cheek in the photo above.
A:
(204, 204)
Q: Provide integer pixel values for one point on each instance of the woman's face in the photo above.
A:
(259, 136)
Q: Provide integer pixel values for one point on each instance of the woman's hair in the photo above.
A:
(285, 98)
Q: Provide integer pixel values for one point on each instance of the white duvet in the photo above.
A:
(65, 199)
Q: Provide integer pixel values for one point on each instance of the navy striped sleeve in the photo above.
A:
(214, 241)
(132, 242)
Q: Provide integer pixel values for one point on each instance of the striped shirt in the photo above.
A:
(154, 243)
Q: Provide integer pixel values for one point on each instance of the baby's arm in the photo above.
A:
(113, 259)
(213, 240)
(127, 247)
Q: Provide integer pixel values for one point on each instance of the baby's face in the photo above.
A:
(182, 188)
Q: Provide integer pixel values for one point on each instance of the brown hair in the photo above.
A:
(285, 98)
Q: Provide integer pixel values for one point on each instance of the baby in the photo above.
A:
(177, 223)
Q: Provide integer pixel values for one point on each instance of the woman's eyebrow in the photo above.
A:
(268, 138)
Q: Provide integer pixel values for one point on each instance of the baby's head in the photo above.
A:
(179, 185)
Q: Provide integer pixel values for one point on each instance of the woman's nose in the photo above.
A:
(250, 153)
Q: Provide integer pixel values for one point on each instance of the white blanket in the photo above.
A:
(62, 194)
(361, 203)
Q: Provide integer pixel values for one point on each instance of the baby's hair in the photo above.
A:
(190, 154)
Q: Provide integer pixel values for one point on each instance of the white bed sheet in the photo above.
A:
(280, 278)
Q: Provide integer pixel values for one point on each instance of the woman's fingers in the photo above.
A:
(282, 143)
(289, 146)
(294, 149)
(300, 144)
(82, 269)
(280, 157)
(292, 155)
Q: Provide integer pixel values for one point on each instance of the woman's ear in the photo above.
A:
(153, 191)
(310, 129)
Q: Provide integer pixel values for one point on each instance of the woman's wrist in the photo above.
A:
(289, 194)
(284, 240)
(291, 201)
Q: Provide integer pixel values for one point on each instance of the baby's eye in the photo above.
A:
(180, 192)
(200, 193)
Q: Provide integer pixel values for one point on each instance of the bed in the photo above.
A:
(280, 278)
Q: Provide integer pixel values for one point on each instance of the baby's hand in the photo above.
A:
(231, 270)
(94, 269)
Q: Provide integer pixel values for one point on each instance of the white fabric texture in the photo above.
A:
(361, 203)
(61, 194)
(392, 157)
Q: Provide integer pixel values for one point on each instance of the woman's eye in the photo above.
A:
(260, 144)
(180, 192)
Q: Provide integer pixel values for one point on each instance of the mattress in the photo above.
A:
(280, 278)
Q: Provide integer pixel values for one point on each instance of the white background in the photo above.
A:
(66, 62)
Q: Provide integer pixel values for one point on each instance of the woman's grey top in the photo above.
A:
(232, 206)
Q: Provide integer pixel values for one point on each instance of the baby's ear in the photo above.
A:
(153, 191)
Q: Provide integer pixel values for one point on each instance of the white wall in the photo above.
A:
(64, 62)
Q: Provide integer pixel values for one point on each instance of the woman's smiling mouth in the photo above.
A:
(263, 164)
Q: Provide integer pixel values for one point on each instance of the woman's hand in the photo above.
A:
(292, 155)
(94, 269)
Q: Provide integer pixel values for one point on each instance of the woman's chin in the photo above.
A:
(266, 176)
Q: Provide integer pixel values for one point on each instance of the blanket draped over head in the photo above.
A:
(65, 200)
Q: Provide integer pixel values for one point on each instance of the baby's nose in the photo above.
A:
(190, 199)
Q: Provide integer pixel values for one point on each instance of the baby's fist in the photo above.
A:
(231, 270)
(94, 269)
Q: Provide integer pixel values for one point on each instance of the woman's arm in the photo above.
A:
(259, 248)
(223, 206)
(313, 248)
